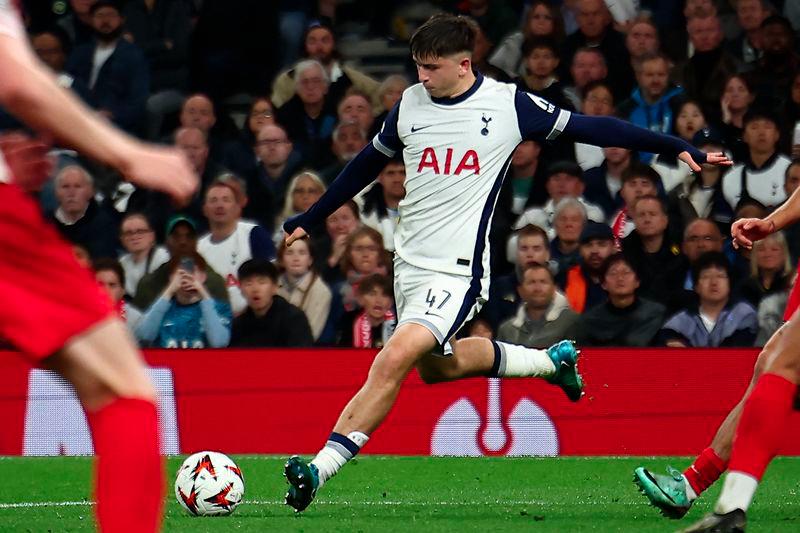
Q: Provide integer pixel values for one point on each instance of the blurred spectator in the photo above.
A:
(308, 116)
(363, 255)
(53, 47)
(604, 182)
(564, 180)
(355, 107)
(770, 269)
(703, 75)
(770, 315)
(598, 100)
(82, 256)
(300, 285)
(181, 243)
(701, 235)
(625, 319)
(750, 14)
(700, 194)
(717, 320)
(642, 39)
(540, 57)
(304, 190)
(269, 320)
(595, 30)
(78, 24)
(661, 266)
(80, 218)
(389, 93)
(688, 119)
(197, 111)
(381, 201)
(371, 323)
(231, 241)
(736, 100)
(241, 154)
(495, 19)
(542, 19)
(568, 222)
(111, 277)
(331, 245)
(791, 117)
(347, 140)
(161, 28)
(773, 73)
(588, 65)
(790, 184)
(477, 327)
(524, 185)
(638, 180)
(582, 285)
(320, 46)
(114, 70)
(278, 162)
(185, 315)
(142, 255)
(544, 317)
(759, 177)
(652, 104)
(531, 248)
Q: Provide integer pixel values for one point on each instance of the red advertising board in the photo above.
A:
(638, 402)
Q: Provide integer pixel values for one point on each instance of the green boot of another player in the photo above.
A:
(303, 479)
(565, 358)
(668, 493)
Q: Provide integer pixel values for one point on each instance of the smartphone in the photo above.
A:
(187, 264)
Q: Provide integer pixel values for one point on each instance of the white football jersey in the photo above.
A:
(456, 152)
(226, 257)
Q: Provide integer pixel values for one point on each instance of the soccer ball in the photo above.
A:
(208, 484)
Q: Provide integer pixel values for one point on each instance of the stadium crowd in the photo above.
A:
(607, 246)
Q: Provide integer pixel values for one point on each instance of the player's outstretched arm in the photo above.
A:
(356, 175)
(29, 91)
(746, 231)
(610, 131)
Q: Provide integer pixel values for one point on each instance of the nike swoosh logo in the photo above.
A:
(415, 129)
(433, 314)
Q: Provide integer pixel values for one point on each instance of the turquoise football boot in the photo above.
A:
(303, 479)
(668, 493)
(564, 355)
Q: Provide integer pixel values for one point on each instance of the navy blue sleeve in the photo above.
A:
(610, 131)
(538, 119)
(388, 140)
(261, 245)
(358, 173)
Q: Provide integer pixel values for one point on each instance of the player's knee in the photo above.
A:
(431, 374)
(391, 365)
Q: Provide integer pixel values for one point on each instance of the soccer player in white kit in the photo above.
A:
(457, 131)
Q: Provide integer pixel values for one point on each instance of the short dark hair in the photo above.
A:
(375, 281)
(795, 162)
(780, 21)
(108, 263)
(710, 260)
(443, 35)
(258, 267)
(532, 230)
(614, 259)
(105, 3)
(592, 85)
(537, 266)
(661, 203)
(532, 43)
(640, 170)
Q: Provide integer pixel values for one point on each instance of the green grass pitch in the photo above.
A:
(405, 494)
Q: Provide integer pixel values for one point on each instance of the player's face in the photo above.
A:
(198, 112)
(641, 39)
(349, 142)
(273, 146)
(356, 108)
(525, 153)
(737, 94)
(297, 259)
(305, 194)
(221, 206)
(258, 291)
(541, 62)
(770, 256)
(649, 218)
(441, 76)
(620, 280)
(569, 225)
(701, 237)
(561, 185)
(531, 250)
(537, 288)
(376, 303)
(261, 114)
(136, 234)
(599, 102)
(393, 179)
(319, 45)
(653, 78)
(341, 222)
(594, 252)
(792, 179)
(761, 135)
(110, 282)
(713, 285)
(635, 188)
(365, 255)
(690, 120)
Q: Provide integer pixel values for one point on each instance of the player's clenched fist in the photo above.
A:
(746, 231)
(27, 160)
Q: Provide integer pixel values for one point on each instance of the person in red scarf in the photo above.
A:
(370, 325)
(111, 276)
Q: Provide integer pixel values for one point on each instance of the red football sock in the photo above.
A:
(705, 470)
(129, 485)
(762, 426)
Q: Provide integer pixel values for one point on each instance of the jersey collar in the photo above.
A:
(463, 96)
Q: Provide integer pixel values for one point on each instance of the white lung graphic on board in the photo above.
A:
(55, 423)
(528, 430)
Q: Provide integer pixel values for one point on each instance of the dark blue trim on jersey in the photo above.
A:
(388, 135)
(461, 97)
(358, 173)
(610, 131)
(477, 257)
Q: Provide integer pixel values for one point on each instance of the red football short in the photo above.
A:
(46, 297)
